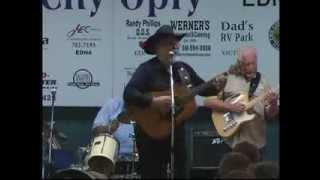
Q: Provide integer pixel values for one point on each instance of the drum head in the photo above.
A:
(78, 174)
(101, 164)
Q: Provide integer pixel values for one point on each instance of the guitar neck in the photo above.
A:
(257, 100)
(197, 90)
(212, 82)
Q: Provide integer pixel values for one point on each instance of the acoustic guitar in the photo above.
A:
(158, 125)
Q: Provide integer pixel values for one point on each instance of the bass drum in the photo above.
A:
(78, 174)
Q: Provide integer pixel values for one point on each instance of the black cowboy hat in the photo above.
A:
(163, 31)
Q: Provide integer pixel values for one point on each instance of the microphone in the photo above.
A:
(175, 49)
(174, 52)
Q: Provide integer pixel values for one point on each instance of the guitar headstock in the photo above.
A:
(276, 91)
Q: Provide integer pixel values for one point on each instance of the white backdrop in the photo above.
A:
(106, 43)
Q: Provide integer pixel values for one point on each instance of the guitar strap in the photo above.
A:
(254, 84)
(185, 77)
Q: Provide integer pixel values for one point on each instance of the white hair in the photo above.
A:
(235, 68)
(244, 50)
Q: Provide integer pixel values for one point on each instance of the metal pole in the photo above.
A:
(172, 116)
(134, 153)
(53, 93)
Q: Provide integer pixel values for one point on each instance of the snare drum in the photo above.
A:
(103, 154)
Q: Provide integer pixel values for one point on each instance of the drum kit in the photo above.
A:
(100, 160)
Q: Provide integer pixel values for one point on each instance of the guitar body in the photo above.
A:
(157, 125)
(227, 123)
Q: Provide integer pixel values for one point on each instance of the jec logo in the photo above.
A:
(79, 30)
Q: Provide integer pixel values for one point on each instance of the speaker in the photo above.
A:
(206, 147)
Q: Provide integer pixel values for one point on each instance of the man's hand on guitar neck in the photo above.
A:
(271, 104)
(224, 106)
(271, 99)
(163, 103)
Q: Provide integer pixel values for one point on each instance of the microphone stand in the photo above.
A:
(43, 161)
(134, 152)
(53, 94)
(172, 115)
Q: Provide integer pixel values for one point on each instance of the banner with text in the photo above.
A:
(77, 52)
(102, 38)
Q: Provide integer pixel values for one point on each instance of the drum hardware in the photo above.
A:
(53, 93)
(135, 156)
(125, 176)
(101, 155)
(52, 141)
(126, 167)
(74, 173)
(81, 161)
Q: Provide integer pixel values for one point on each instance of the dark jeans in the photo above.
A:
(154, 155)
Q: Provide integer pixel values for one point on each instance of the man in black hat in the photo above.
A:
(153, 75)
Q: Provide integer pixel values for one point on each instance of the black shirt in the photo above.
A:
(153, 75)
